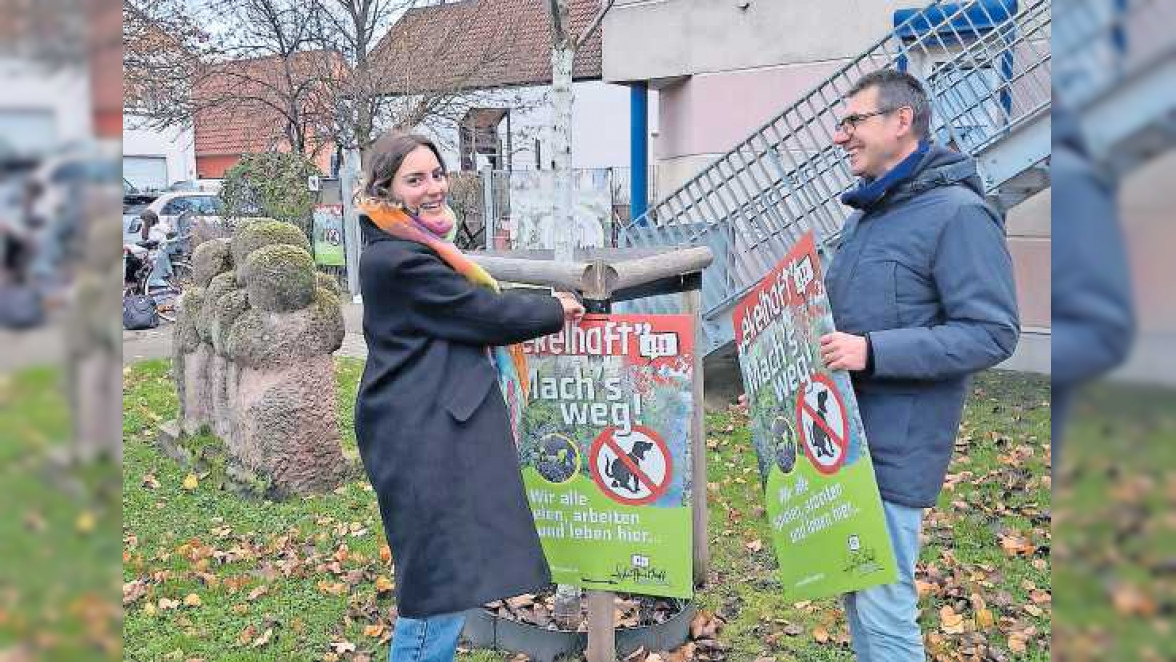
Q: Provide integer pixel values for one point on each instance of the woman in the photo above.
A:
(431, 418)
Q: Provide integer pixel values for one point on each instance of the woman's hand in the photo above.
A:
(573, 310)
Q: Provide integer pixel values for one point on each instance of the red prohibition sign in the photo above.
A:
(631, 468)
(804, 410)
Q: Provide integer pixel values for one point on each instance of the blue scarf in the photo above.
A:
(871, 191)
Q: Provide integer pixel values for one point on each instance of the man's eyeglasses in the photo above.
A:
(849, 123)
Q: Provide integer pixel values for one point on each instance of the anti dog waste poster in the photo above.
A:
(605, 452)
(827, 523)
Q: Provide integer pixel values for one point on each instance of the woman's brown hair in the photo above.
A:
(385, 157)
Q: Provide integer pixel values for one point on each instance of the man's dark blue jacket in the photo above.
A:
(925, 272)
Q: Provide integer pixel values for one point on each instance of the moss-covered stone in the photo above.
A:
(326, 321)
(210, 258)
(328, 282)
(217, 287)
(185, 338)
(280, 278)
(260, 339)
(254, 235)
(232, 305)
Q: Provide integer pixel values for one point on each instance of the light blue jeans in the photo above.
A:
(432, 639)
(882, 619)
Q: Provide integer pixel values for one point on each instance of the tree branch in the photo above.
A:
(592, 26)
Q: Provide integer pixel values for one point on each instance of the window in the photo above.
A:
(176, 206)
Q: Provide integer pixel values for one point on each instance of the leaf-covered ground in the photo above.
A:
(984, 571)
(1116, 549)
(208, 575)
(58, 532)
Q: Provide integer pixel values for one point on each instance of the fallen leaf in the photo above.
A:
(373, 630)
(332, 588)
(383, 584)
(257, 593)
(190, 482)
(343, 646)
(132, 591)
(1129, 600)
(755, 545)
(923, 588)
(85, 522)
(246, 636)
(950, 621)
(385, 553)
(168, 603)
(985, 619)
(264, 638)
(1016, 545)
(821, 634)
(150, 482)
(192, 600)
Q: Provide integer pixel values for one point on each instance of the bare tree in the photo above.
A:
(406, 70)
(565, 44)
(162, 44)
(261, 64)
(55, 33)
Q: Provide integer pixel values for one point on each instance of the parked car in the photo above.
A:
(206, 185)
(55, 182)
(206, 208)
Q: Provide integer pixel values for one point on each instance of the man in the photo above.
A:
(921, 289)
(1092, 312)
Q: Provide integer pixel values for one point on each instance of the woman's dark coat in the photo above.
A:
(433, 430)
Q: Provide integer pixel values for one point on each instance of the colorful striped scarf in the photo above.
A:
(510, 362)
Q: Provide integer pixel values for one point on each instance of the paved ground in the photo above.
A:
(156, 343)
(25, 349)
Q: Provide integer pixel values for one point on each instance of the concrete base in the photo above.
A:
(486, 630)
(1032, 354)
(1152, 360)
(723, 382)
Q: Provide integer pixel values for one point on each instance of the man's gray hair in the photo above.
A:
(895, 90)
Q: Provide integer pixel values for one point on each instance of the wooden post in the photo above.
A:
(602, 645)
(602, 634)
(693, 305)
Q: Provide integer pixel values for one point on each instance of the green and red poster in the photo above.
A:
(605, 452)
(827, 523)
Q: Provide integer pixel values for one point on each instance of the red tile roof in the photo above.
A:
(479, 44)
(235, 101)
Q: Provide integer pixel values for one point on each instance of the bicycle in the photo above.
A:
(140, 282)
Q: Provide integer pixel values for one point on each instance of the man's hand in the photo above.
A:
(843, 351)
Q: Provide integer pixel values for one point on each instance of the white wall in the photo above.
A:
(177, 146)
(63, 93)
(600, 125)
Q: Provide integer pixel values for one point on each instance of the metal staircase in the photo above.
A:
(986, 66)
(1117, 71)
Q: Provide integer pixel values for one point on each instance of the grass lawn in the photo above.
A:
(1116, 547)
(58, 532)
(208, 575)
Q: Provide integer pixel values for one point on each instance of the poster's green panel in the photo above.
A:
(605, 451)
(828, 527)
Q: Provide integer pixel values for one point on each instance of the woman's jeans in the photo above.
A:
(431, 639)
(882, 618)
